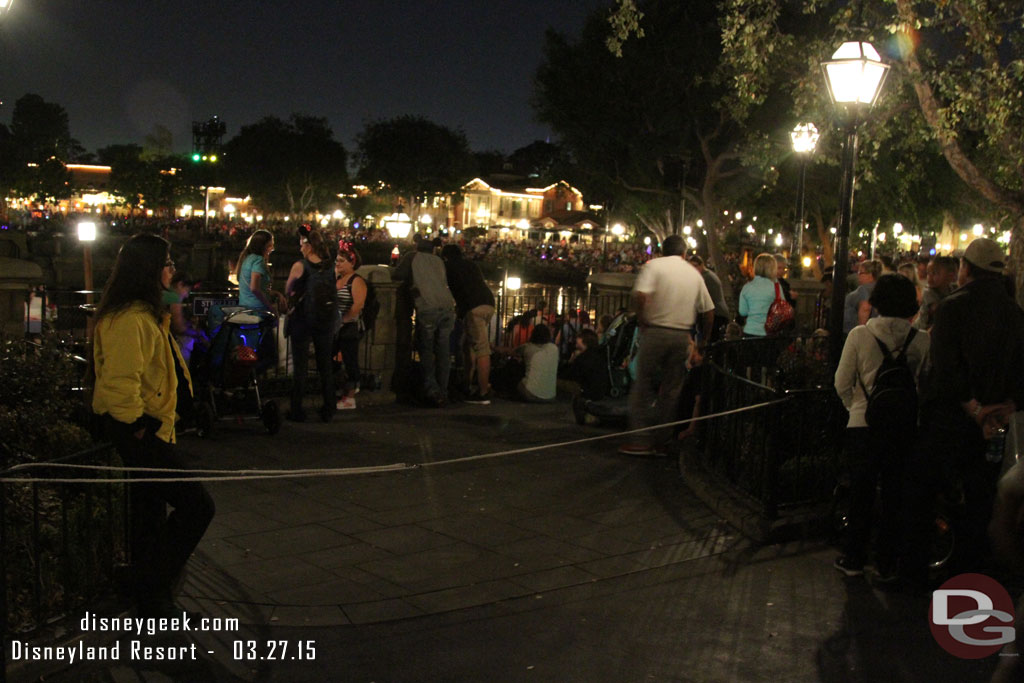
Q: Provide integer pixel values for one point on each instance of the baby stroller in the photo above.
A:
(226, 377)
(619, 346)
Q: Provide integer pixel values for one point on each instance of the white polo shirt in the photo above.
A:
(676, 293)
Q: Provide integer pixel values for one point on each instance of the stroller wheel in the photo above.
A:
(271, 417)
(205, 417)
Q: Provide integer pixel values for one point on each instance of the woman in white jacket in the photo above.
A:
(872, 457)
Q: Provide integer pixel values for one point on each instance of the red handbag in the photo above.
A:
(780, 316)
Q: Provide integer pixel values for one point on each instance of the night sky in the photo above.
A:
(120, 67)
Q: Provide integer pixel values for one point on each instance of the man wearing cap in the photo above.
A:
(975, 383)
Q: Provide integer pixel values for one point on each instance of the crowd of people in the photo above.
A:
(950, 329)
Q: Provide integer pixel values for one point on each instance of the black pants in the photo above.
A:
(322, 346)
(874, 462)
(950, 455)
(348, 346)
(161, 543)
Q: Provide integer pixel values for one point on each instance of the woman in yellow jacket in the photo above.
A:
(142, 382)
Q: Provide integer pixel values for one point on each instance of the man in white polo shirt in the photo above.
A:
(670, 299)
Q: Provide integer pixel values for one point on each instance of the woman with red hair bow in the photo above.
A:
(351, 299)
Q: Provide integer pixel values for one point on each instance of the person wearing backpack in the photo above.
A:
(352, 291)
(877, 380)
(311, 285)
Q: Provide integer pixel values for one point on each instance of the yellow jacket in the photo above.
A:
(134, 358)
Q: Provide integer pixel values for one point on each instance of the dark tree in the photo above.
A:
(291, 166)
(414, 156)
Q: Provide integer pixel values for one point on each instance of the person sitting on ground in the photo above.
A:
(589, 367)
(877, 456)
(540, 356)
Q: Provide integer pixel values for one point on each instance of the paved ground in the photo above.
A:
(568, 564)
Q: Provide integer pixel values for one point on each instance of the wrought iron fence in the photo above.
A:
(785, 456)
(61, 545)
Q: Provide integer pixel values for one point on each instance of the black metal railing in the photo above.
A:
(62, 545)
(784, 456)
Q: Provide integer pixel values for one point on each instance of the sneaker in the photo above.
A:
(638, 449)
(479, 399)
(347, 403)
(847, 567)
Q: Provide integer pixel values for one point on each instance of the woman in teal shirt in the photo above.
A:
(757, 296)
(254, 276)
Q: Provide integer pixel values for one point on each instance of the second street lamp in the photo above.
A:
(854, 76)
(805, 139)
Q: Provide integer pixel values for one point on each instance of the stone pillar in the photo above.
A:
(380, 351)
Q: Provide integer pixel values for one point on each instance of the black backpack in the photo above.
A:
(320, 302)
(892, 401)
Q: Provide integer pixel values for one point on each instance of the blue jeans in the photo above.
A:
(433, 342)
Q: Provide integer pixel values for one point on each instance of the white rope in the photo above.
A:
(246, 475)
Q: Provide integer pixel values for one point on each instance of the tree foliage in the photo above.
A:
(956, 89)
(413, 156)
(291, 166)
(659, 132)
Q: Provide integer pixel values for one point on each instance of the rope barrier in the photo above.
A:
(246, 475)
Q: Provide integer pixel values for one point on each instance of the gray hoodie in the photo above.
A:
(861, 359)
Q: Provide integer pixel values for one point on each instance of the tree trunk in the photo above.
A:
(960, 162)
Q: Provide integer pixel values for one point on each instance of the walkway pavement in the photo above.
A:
(567, 564)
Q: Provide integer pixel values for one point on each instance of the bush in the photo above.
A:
(40, 395)
(64, 538)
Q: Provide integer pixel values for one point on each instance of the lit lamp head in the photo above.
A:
(5, 6)
(618, 230)
(513, 283)
(86, 230)
(855, 75)
(804, 137)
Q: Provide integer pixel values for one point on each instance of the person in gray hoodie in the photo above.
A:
(435, 317)
(872, 457)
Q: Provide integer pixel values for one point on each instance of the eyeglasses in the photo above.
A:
(169, 264)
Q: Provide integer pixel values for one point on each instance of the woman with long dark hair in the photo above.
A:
(310, 280)
(351, 299)
(253, 273)
(142, 383)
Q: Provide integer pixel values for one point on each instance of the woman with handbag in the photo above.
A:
(351, 299)
(758, 295)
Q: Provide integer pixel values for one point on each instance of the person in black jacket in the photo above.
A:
(975, 384)
(474, 304)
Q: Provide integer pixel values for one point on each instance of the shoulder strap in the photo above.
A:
(906, 342)
(778, 291)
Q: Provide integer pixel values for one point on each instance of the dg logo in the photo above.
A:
(971, 616)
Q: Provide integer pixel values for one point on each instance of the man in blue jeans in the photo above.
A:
(435, 317)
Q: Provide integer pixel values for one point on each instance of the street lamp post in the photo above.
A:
(87, 235)
(805, 138)
(854, 76)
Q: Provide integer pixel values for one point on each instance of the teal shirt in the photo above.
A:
(253, 263)
(756, 298)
